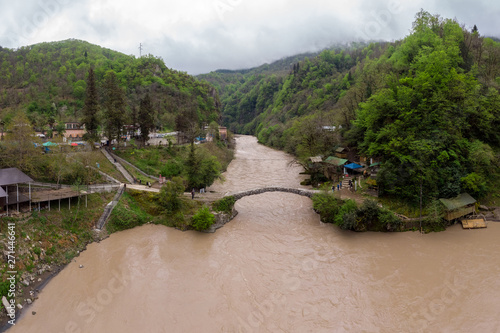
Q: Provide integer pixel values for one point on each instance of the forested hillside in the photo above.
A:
(427, 106)
(48, 81)
(246, 94)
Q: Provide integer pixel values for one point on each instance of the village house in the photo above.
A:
(74, 131)
(333, 167)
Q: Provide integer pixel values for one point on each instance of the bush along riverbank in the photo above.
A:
(371, 216)
(44, 243)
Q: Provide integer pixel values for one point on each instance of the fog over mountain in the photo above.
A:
(200, 36)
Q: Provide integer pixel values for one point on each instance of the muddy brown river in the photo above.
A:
(275, 268)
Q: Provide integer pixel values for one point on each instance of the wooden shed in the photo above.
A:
(333, 167)
(459, 206)
(9, 188)
(341, 152)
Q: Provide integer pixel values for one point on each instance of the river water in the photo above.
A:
(275, 268)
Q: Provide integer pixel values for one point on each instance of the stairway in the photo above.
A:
(120, 168)
(109, 208)
(345, 183)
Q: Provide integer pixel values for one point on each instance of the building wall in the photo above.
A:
(459, 213)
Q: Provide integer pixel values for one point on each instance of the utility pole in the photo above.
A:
(421, 203)
(140, 50)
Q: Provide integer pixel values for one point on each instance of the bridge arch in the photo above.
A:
(246, 193)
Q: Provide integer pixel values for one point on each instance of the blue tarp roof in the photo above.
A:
(352, 166)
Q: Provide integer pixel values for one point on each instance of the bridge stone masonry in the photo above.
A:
(299, 191)
(223, 218)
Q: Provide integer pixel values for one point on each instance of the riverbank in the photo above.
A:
(46, 242)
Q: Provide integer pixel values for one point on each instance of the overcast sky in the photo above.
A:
(199, 36)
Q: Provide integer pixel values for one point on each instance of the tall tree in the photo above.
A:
(91, 109)
(114, 107)
(146, 118)
(19, 150)
(188, 123)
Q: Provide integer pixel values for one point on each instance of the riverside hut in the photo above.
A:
(333, 167)
(459, 206)
(341, 152)
(9, 188)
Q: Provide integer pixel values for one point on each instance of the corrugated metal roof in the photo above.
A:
(316, 159)
(340, 149)
(336, 161)
(460, 201)
(13, 176)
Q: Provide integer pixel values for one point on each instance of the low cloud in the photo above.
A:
(199, 36)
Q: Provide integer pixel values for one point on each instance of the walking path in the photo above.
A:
(109, 208)
(121, 160)
(142, 188)
(120, 168)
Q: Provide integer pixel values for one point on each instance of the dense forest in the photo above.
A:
(427, 107)
(48, 82)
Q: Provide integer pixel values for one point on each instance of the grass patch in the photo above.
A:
(126, 215)
(137, 208)
(170, 161)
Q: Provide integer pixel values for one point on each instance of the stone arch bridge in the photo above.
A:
(260, 190)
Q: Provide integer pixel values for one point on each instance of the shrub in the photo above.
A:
(170, 195)
(327, 206)
(51, 250)
(203, 219)
(4, 288)
(349, 221)
(390, 221)
(225, 204)
(172, 168)
(37, 250)
(126, 215)
(474, 184)
(348, 207)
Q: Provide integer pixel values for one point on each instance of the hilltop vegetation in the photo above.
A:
(48, 81)
(427, 106)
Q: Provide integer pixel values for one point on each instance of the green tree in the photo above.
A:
(188, 123)
(146, 118)
(193, 167)
(202, 169)
(60, 129)
(19, 149)
(420, 123)
(203, 219)
(114, 107)
(170, 194)
(91, 109)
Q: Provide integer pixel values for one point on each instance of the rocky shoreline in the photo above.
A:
(31, 284)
